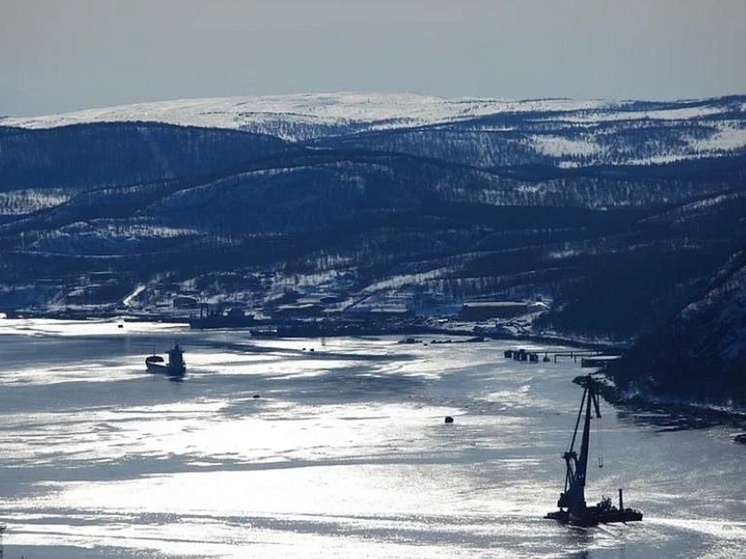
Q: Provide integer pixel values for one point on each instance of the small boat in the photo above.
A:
(572, 506)
(174, 367)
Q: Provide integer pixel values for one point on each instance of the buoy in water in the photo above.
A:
(449, 419)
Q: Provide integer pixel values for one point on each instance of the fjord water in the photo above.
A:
(269, 449)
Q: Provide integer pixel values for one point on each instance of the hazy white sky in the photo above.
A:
(61, 55)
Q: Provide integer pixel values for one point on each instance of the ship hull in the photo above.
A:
(593, 516)
(156, 365)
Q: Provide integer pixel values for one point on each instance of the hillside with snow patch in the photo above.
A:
(565, 133)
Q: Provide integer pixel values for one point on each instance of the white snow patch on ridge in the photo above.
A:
(611, 115)
(558, 146)
(27, 200)
(730, 136)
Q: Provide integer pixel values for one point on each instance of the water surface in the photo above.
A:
(270, 449)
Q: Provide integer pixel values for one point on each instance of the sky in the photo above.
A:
(64, 55)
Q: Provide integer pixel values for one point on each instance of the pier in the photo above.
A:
(587, 357)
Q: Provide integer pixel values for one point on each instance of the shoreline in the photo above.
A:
(332, 327)
(667, 416)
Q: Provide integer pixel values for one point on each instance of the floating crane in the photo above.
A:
(572, 506)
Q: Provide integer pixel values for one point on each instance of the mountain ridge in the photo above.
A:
(306, 117)
(237, 112)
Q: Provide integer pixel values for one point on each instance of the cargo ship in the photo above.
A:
(174, 367)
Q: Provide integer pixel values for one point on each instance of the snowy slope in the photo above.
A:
(561, 129)
(372, 110)
(375, 110)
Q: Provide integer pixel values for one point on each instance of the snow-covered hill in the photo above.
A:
(560, 132)
(360, 111)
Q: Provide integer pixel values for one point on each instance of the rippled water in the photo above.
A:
(344, 453)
